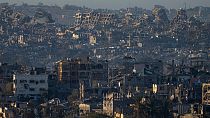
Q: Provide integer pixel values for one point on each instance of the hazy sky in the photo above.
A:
(116, 4)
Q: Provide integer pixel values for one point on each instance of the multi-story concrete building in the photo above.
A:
(114, 105)
(91, 73)
(30, 86)
(205, 94)
(81, 74)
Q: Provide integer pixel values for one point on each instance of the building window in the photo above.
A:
(31, 81)
(73, 73)
(23, 81)
(82, 67)
(42, 89)
(99, 66)
(82, 73)
(31, 89)
(26, 86)
(42, 81)
(161, 88)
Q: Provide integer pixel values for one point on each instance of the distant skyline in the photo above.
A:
(117, 4)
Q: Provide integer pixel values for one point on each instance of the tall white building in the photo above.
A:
(31, 86)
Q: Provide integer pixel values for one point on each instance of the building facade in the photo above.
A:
(31, 86)
(76, 71)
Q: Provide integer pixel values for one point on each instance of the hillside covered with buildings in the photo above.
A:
(70, 62)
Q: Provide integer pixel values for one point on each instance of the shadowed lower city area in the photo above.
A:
(80, 62)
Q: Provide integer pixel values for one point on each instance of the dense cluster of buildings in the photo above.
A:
(83, 86)
(127, 63)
